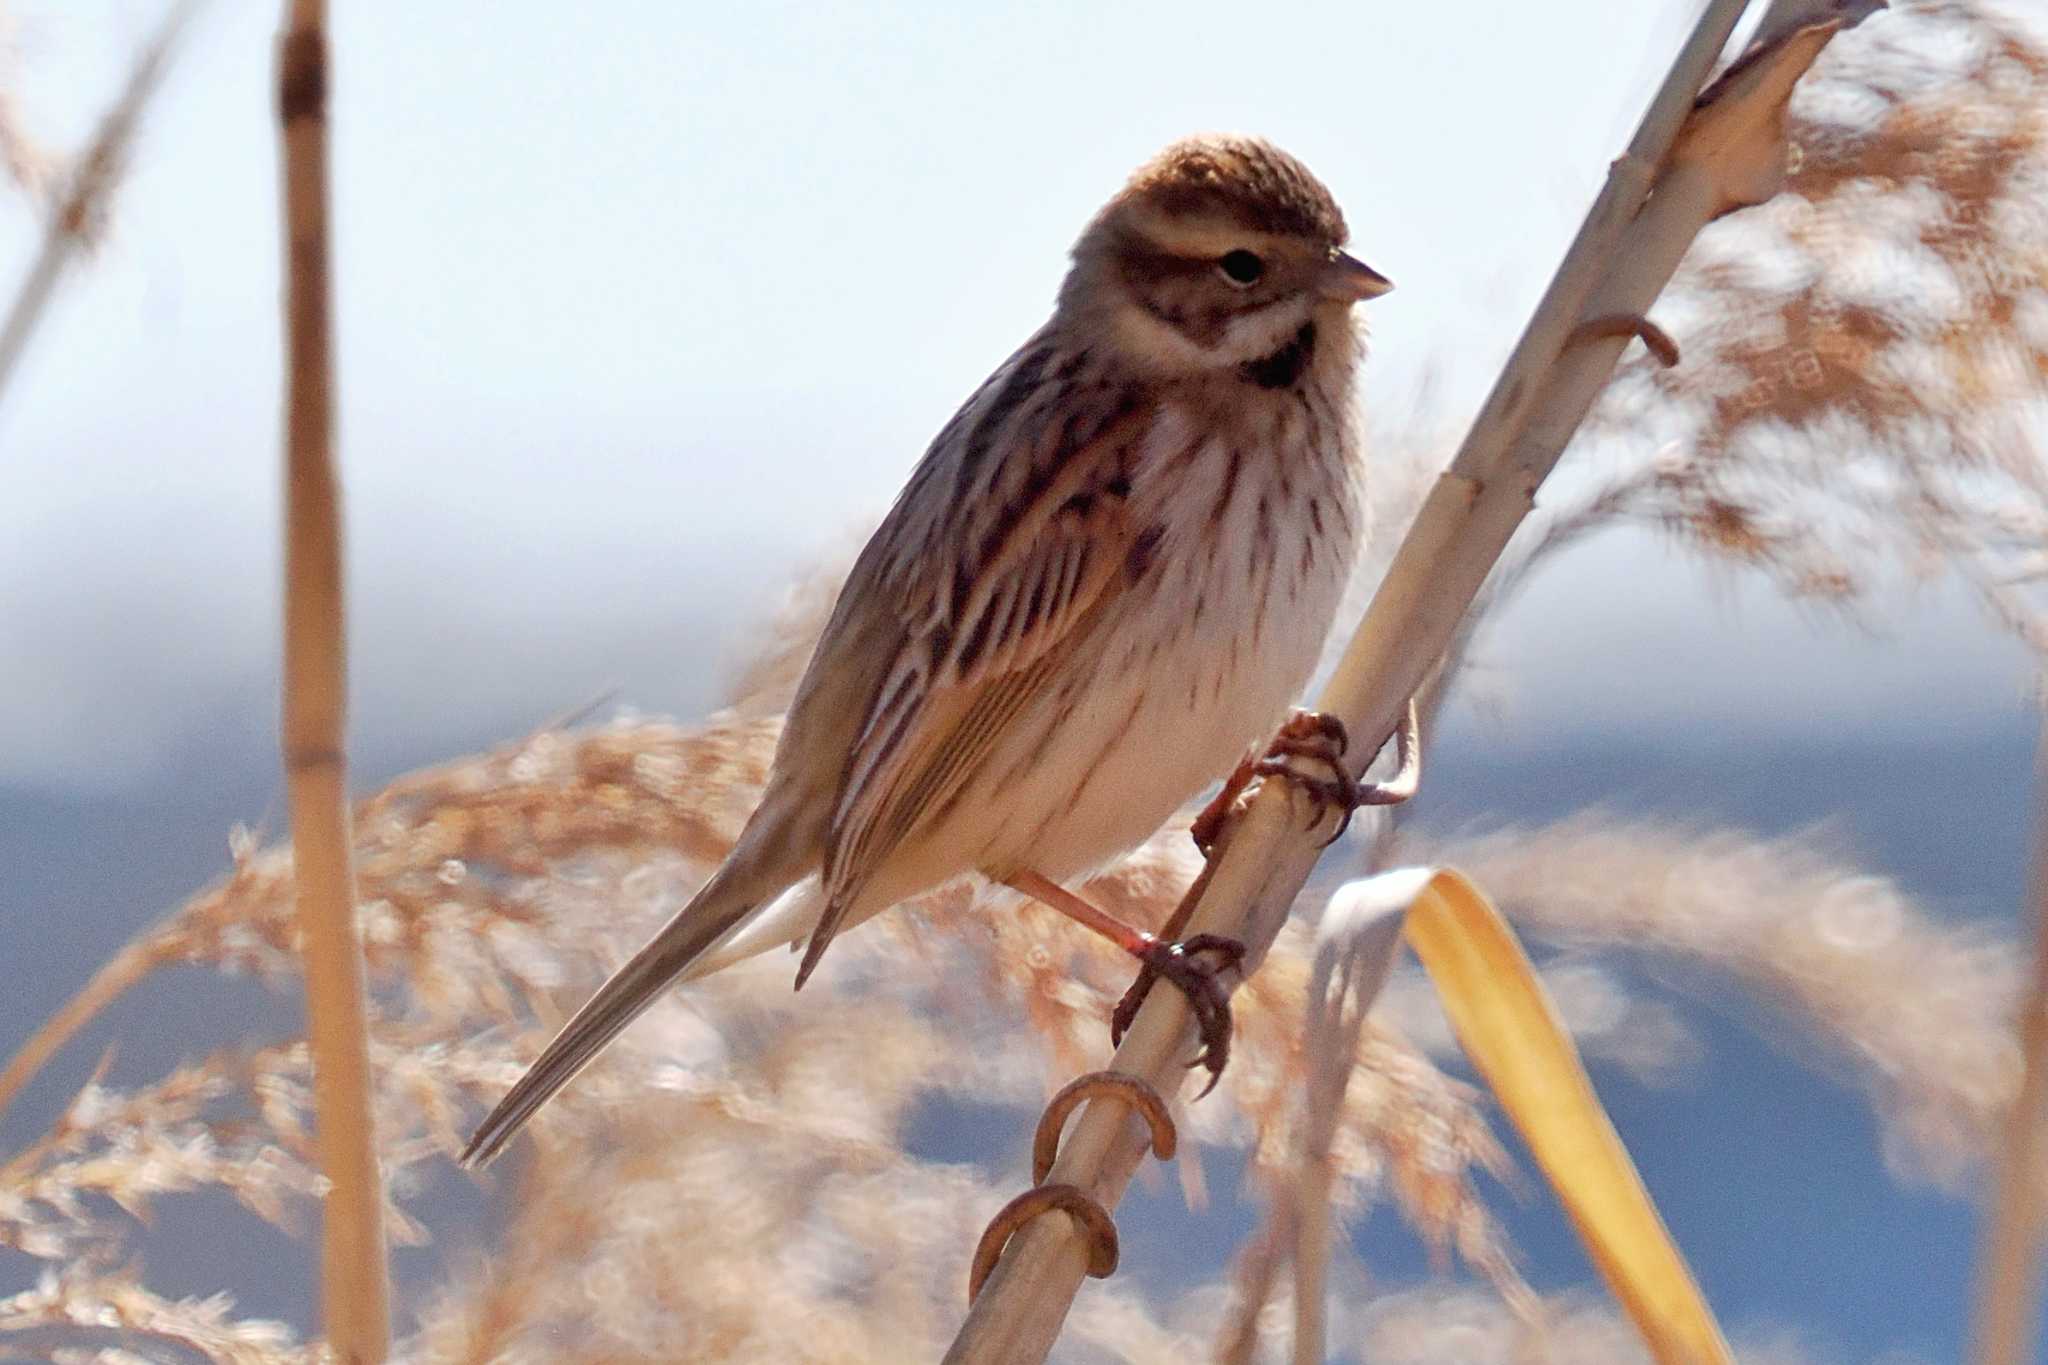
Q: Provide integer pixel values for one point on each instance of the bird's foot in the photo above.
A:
(1320, 739)
(1307, 735)
(1198, 978)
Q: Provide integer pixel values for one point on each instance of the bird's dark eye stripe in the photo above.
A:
(1241, 266)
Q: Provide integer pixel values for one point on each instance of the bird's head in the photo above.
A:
(1216, 254)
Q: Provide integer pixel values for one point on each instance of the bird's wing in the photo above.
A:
(1035, 538)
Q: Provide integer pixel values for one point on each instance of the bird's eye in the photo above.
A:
(1241, 267)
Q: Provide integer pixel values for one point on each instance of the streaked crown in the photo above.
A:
(1241, 180)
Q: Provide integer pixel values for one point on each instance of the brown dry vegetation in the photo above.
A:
(1864, 365)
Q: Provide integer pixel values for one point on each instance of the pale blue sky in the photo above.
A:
(641, 304)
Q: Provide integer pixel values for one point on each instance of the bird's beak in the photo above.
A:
(1349, 279)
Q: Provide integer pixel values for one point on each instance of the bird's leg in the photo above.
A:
(1183, 962)
(1176, 925)
(1208, 826)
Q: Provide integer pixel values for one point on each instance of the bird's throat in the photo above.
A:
(1284, 367)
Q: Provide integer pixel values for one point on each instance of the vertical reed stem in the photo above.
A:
(354, 1292)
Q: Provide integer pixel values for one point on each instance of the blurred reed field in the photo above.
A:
(751, 1175)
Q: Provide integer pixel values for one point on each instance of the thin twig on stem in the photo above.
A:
(1701, 162)
(354, 1291)
(91, 182)
(2008, 1273)
(126, 967)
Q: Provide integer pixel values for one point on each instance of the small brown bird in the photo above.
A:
(1102, 588)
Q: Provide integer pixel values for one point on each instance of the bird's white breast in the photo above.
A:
(1202, 656)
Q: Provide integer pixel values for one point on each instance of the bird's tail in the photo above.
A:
(734, 892)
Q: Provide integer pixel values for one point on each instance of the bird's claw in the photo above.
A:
(1183, 964)
(1311, 735)
(1322, 739)
(1307, 734)
(1312, 726)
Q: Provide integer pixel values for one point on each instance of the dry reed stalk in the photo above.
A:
(75, 217)
(354, 1291)
(1701, 163)
(2008, 1274)
(74, 220)
(131, 964)
(1510, 1029)
(1355, 947)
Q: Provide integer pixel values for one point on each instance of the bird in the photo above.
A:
(1101, 589)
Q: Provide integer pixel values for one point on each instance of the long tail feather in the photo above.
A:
(782, 922)
(725, 901)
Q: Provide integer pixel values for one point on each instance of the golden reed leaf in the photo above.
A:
(1511, 1031)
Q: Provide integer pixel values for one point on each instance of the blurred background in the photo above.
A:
(644, 309)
